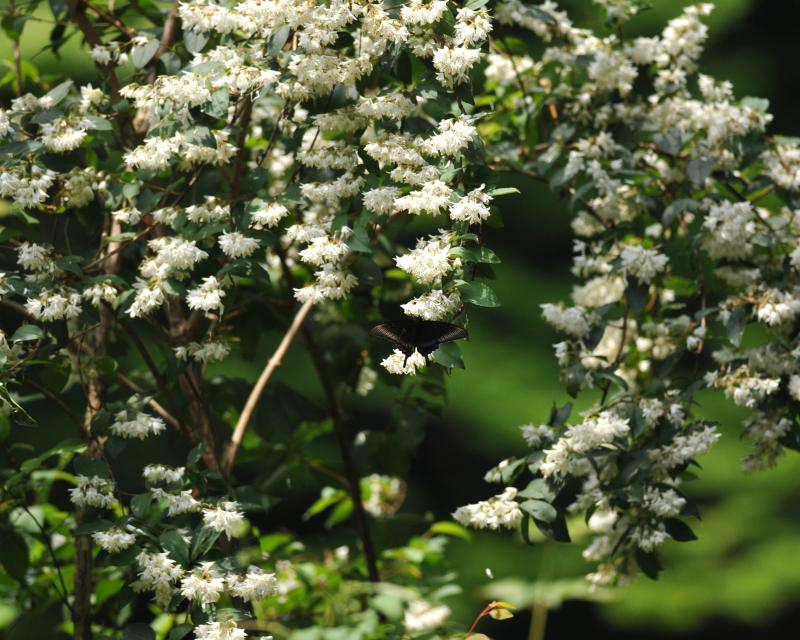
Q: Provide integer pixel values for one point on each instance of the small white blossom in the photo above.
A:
(236, 245)
(140, 427)
(424, 616)
(501, 511)
(93, 492)
(225, 518)
(255, 585)
(113, 540)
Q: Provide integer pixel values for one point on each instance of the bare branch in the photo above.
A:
(229, 456)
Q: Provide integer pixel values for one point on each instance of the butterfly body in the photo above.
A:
(424, 336)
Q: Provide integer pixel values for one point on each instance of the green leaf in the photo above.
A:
(195, 455)
(278, 39)
(575, 375)
(679, 530)
(538, 489)
(98, 124)
(476, 4)
(637, 294)
(27, 332)
(388, 605)
(503, 191)
(58, 93)
(14, 555)
(173, 543)
(450, 529)
(478, 293)
(87, 528)
(217, 107)
(202, 542)
(179, 632)
(140, 504)
(194, 41)
(648, 563)
(475, 254)
(699, 169)
(449, 355)
(138, 631)
(540, 510)
(555, 530)
(142, 54)
(735, 326)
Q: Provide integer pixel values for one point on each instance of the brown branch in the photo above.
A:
(169, 33)
(272, 365)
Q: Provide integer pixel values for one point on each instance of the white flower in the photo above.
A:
(432, 197)
(205, 586)
(179, 503)
(140, 427)
(157, 573)
(34, 257)
(236, 245)
(268, 215)
(570, 320)
(594, 432)
(472, 27)
(536, 436)
(100, 292)
(156, 473)
(226, 630)
(454, 135)
(642, 263)
(434, 305)
(100, 54)
(424, 616)
(210, 351)
(428, 262)
(255, 585)
(472, 208)
(61, 136)
(93, 492)
(224, 518)
(664, 504)
(113, 540)
(55, 305)
(453, 64)
(501, 511)
(366, 381)
(127, 215)
(381, 200)
(794, 387)
(148, 298)
(207, 297)
(400, 364)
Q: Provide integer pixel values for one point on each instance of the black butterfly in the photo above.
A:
(422, 335)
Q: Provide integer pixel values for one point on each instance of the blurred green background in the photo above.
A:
(742, 577)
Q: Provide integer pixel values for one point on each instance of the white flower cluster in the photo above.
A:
(501, 511)
(93, 491)
(141, 426)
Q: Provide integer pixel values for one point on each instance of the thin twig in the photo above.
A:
(229, 456)
(152, 403)
(46, 540)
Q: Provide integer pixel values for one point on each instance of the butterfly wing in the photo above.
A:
(430, 334)
(396, 332)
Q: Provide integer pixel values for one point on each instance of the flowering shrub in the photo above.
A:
(260, 162)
